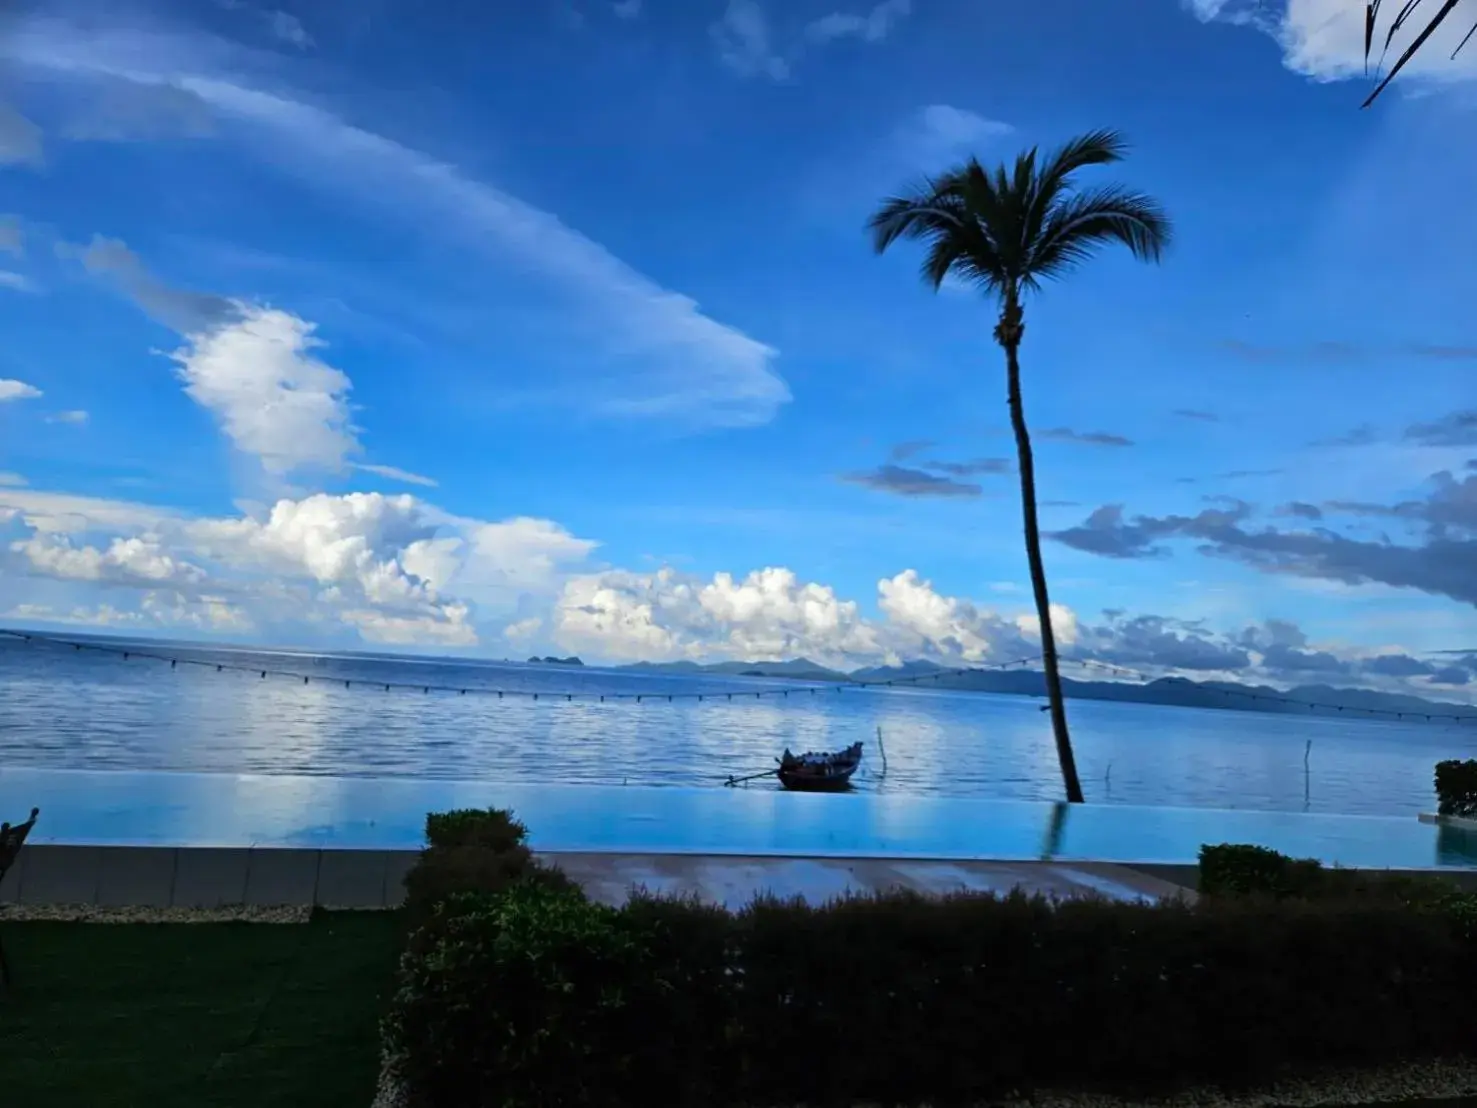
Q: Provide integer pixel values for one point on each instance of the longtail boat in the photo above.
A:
(812, 772)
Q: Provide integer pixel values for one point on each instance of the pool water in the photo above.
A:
(188, 809)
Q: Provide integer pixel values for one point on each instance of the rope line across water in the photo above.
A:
(811, 689)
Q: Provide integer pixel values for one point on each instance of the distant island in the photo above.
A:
(1172, 691)
(552, 661)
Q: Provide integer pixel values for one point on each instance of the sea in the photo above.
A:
(330, 714)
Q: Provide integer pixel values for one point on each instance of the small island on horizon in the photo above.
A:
(553, 661)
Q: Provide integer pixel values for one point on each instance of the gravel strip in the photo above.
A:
(92, 913)
(1406, 1084)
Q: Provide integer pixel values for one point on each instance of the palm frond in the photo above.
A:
(1077, 226)
(1372, 10)
(1005, 228)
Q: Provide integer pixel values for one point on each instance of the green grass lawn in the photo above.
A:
(160, 1015)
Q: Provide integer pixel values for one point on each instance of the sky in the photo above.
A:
(554, 326)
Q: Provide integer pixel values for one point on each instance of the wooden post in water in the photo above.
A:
(1308, 749)
(882, 750)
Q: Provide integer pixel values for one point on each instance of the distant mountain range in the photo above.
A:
(1175, 691)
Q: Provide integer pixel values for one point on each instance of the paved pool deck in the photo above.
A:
(205, 877)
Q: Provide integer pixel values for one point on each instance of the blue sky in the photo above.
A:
(554, 325)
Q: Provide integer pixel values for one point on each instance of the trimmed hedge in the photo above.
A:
(1233, 869)
(1456, 787)
(535, 996)
(472, 851)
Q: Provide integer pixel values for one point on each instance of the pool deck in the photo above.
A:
(207, 877)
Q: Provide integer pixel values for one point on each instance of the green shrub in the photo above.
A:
(1456, 787)
(493, 828)
(473, 851)
(515, 1002)
(536, 997)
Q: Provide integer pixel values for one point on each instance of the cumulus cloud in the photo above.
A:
(667, 615)
(394, 568)
(11, 389)
(272, 397)
(20, 139)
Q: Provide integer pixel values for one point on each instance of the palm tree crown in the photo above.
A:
(1007, 230)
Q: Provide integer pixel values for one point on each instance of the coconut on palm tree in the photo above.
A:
(1004, 231)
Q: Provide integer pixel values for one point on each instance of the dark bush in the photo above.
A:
(493, 828)
(536, 998)
(1232, 869)
(1456, 787)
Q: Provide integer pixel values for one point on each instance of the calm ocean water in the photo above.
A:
(60, 709)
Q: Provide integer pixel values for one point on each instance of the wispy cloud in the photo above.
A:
(626, 9)
(871, 26)
(76, 417)
(903, 481)
(16, 282)
(20, 139)
(749, 44)
(1197, 414)
(179, 309)
(905, 450)
(939, 133)
(1089, 438)
(745, 42)
(647, 351)
(395, 473)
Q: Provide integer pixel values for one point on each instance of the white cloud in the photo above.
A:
(75, 416)
(20, 139)
(743, 38)
(17, 282)
(274, 400)
(395, 569)
(626, 9)
(666, 615)
(394, 473)
(873, 26)
(1324, 39)
(11, 389)
(11, 480)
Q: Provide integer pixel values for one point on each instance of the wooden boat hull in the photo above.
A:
(812, 773)
(835, 782)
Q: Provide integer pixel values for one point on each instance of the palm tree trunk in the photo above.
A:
(1009, 333)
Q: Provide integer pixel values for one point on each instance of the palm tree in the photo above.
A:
(1004, 231)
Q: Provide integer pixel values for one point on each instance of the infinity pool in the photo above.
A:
(180, 809)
